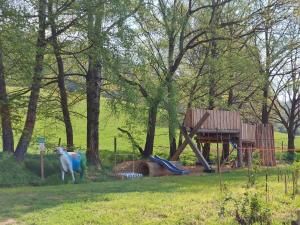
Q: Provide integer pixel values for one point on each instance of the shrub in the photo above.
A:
(248, 210)
(15, 174)
(291, 156)
(51, 164)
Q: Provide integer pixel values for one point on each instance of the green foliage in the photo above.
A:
(15, 174)
(248, 210)
(51, 164)
(290, 157)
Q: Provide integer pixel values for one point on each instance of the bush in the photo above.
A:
(15, 174)
(51, 164)
(248, 210)
(290, 156)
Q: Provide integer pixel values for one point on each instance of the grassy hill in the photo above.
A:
(108, 130)
(53, 129)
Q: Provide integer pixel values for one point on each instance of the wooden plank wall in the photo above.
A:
(248, 133)
(265, 144)
(218, 119)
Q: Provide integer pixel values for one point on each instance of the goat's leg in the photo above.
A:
(73, 177)
(63, 175)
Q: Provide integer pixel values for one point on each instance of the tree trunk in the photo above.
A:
(7, 132)
(93, 86)
(291, 141)
(264, 110)
(61, 81)
(35, 87)
(152, 114)
(172, 118)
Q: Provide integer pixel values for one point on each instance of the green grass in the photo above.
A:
(53, 130)
(163, 200)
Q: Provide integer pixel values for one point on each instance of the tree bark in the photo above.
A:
(152, 115)
(264, 111)
(291, 140)
(172, 117)
(7, 132)
(61, 80)
(93, 87)
(266, 74)
(35, 87)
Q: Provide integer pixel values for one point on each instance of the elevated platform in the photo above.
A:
(218, 120)
(220, 126)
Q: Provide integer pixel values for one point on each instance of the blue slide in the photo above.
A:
(168, 165)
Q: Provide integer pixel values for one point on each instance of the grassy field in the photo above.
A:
(163, 200)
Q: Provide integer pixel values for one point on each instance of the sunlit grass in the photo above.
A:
(163, 200)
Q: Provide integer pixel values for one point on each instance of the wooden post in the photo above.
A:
(240, 153)
(195, 149)
(218, 157)
(115, 150)
(285, 183)
(41, 145)
(192, 133)
(249, 153)
(267, 191)
(42, 165)
(281, 152)
(219, 169)
(293, 182)
(296, 180)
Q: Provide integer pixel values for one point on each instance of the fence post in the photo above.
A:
(285, 183)
(267, 188)
(115, 150)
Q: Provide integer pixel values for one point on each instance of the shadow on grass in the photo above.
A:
(15, 202)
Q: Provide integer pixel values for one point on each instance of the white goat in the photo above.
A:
(65, 163)
(71, 162)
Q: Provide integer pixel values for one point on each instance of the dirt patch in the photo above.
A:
(128, 166)
(8, 222)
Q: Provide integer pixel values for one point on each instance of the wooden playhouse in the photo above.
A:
(218, 126)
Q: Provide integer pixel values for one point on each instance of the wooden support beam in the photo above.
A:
(192, 133)
(240, 153)
(198, 154)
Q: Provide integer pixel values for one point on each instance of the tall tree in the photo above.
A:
(36, 84)
(61, 72)
(271, 54)
(7, 132)
(287, 105)
(93, 85)
(105, 22)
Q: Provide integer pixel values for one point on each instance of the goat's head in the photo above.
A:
(60, 150)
